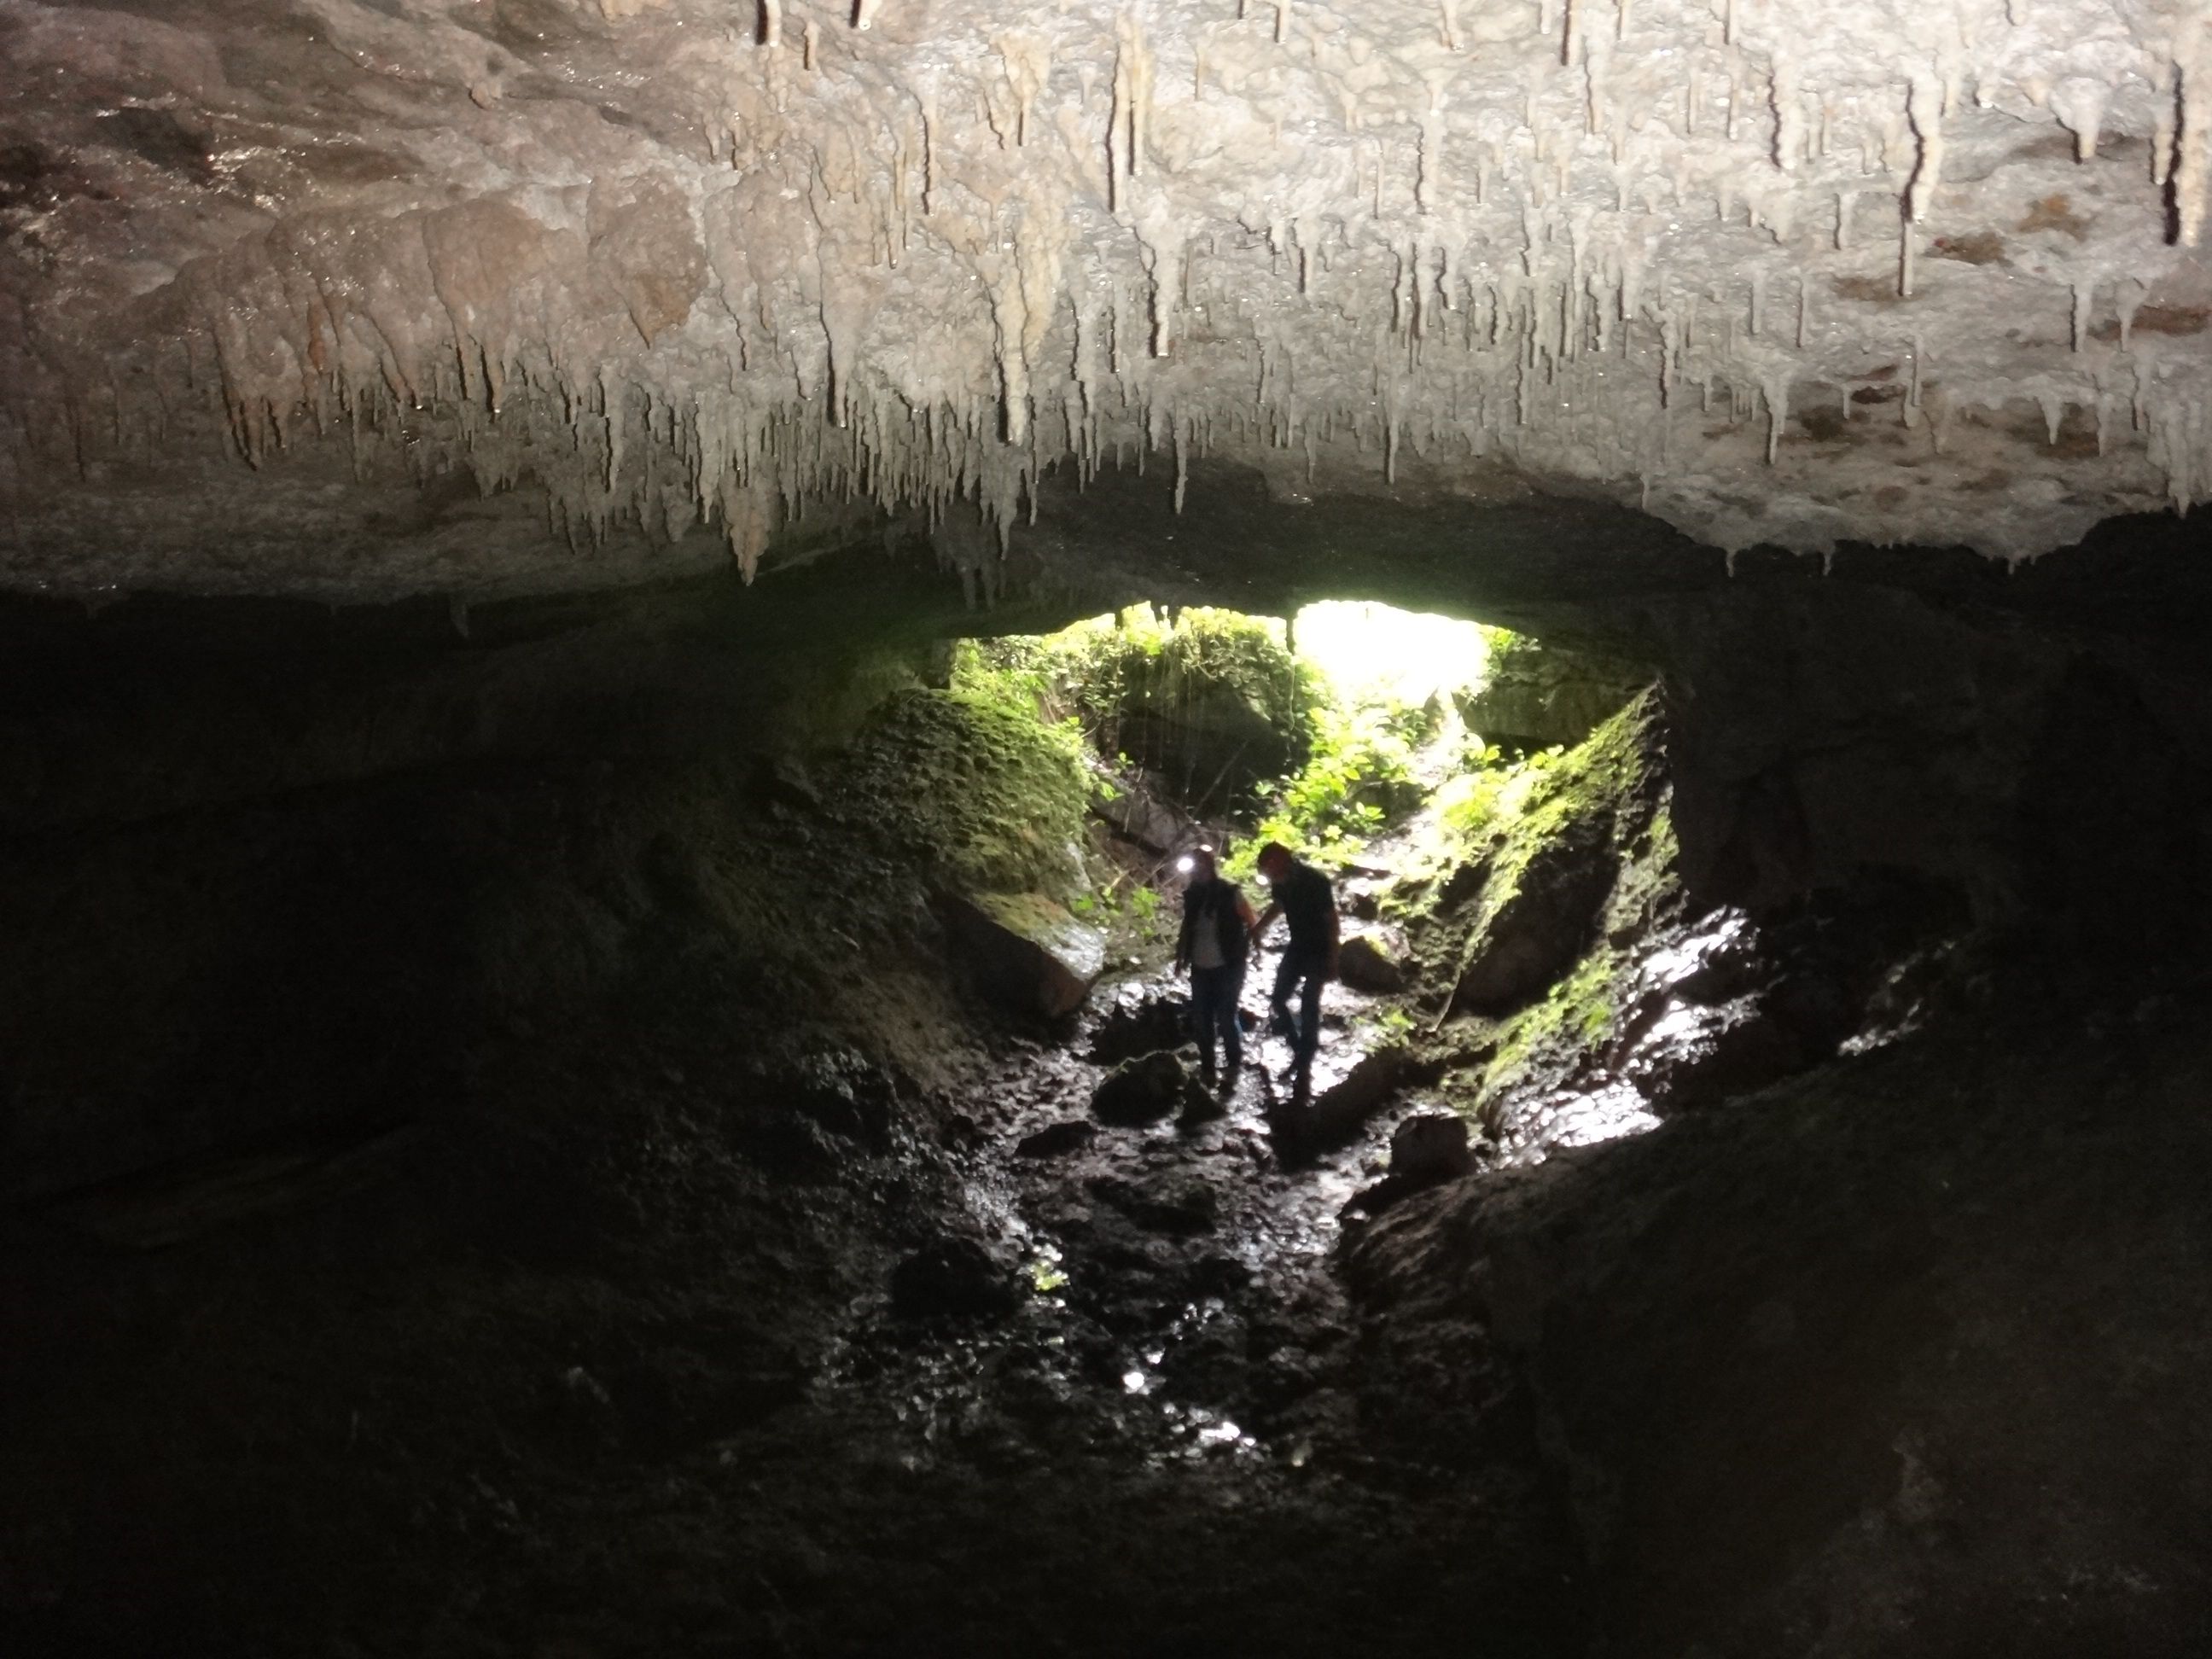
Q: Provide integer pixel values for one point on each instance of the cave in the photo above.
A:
(590, 1066)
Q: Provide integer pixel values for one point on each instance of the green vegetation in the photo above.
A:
(1110, 669)
(1384, 735)
(1358, 780)
(1593, 808)
(1321, 759)
(1143, 661)
(978, 786)
(1577, 1015)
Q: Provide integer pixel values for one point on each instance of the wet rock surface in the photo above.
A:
(1920, 1282)
(1026, 951)
(953, 1276)
(1146, 1089)
(1367, 962)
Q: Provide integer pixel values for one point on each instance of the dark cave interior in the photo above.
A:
(508, 1152)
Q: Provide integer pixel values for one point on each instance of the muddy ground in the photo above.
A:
(337, 1428)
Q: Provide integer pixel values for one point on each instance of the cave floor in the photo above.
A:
(345, 1428)
(262, 1440)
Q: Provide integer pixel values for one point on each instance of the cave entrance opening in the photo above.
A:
(1478, 799)
(1324, 730)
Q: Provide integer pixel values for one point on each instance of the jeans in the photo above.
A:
(1213, 994)
(1303, 969)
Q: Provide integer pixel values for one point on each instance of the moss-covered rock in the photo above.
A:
(1215, 703)
(1028, 953)
(983, 795)
(1535, 695)
(1553, 861)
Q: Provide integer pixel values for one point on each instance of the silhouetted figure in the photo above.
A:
(1303, 896)
(1216, 939)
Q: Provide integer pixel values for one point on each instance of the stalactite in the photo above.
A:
(1789, 112)
(2127, 301)
(2162, 131)
(2192, 56)
(2080, 102)
(1924, 107)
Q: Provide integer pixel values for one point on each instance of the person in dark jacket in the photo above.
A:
(1217, 936)
(1304, 898)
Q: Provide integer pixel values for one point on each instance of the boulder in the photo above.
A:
(1027, 952)
(1057, 1139)
(1690, 1056)
(952, 1278)
(1340, 1109)
(1536, 694)
(1136, 813)
(1533, 932)
(1140, 1022)
(1366, 962)
(1339, 1112)
(1429, 1148)
(1146, 1089)
(1426, 1150)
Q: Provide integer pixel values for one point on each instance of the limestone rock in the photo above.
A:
(1366, 962)
(1537, 694)
(1535, 931)
(671, 266)
(1057, 1139)
(1146, 1090)
(1429, 1148)
(1027, 952)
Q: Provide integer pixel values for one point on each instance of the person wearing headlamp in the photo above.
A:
(1215, 941)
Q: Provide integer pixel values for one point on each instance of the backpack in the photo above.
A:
(1220, 905)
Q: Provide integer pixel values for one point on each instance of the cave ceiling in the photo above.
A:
(357, 297)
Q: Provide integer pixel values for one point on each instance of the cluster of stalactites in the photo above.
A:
(1443, 270)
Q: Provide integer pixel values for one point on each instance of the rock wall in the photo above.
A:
(1896, 1360)
(269, 877)
(1533, 696)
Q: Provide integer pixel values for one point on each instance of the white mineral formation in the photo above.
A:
(1788, 271)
